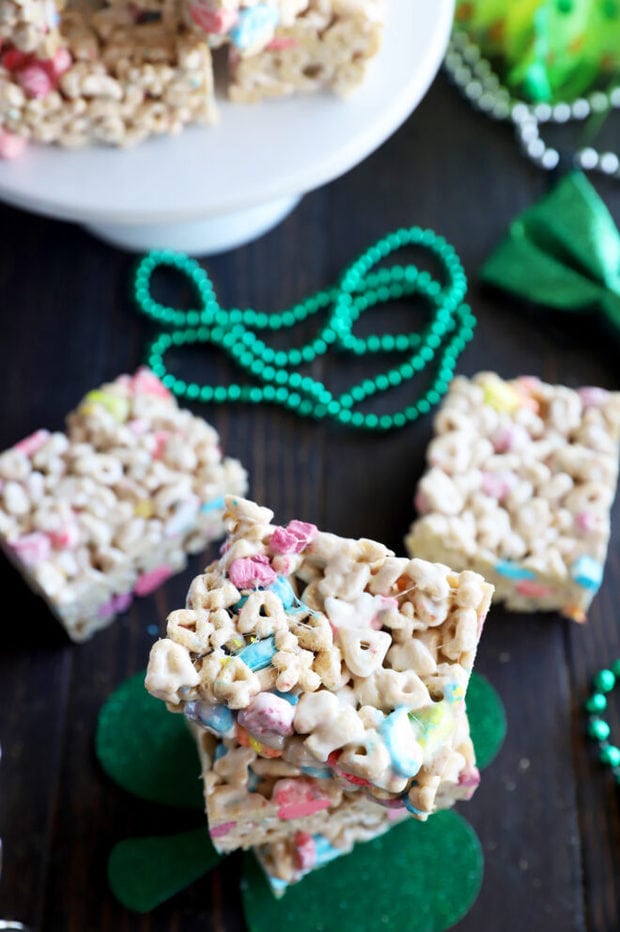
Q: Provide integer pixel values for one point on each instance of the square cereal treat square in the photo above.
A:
(520, 481)
(111, 508)
(316, 671)
(328, 44)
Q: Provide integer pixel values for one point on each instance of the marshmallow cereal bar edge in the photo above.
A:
(520, 481)
(110, 509)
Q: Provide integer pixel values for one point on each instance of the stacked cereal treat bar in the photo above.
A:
(122, 70)
(324, 680)
(111, 508)
(520, 481)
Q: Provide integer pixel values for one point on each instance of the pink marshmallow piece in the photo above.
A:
(251, 572)
(32, 549)
(298, 798)
(146, 382)
(11, 145)
(470, 777)
(222, 829)
(115, 605)
(66, 538)
(305, 851)
(267, 715)
(13, 59)
(470, 780)
(532, 589)
(35, 80)
(161, 438)
(498, 484)
(586, 521)
(281, 42)
(60, 62)
(33, 442)
(593, 397)
(292, 538)
(150, 581)
(508, 438)
(218, 22)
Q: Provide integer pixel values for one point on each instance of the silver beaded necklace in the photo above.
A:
(476, 78)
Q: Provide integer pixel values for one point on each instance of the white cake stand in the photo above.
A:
(214, 188)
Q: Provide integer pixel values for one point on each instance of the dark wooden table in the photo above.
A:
(546, 812)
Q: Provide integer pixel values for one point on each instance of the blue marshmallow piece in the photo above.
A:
(258, 655)
(587, 572)
(215, 718)
(255, 25)
(291, 698)
(324, 850)
(284, 591)
(405, 753)
(216, 504)
(513, 570)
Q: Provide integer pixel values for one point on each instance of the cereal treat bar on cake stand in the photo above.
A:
(327, 46)
(520, 481)
(111, 508)
(325, 682)
(117, 74)
(118, 71)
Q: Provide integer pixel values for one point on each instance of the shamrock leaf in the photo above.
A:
(144, 872)
(146, 750)
(359, 894)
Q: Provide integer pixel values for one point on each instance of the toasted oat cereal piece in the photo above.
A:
(328, 46)
(314, 668)
(520, 481)
(111, 508)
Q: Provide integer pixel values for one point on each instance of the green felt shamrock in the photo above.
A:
(359, 894)
(135, 735)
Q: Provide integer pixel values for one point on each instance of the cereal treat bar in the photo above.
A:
(327, 46)
(520, 480)
(113, 75)
(111, 508)
(325, 679)
(118, 71)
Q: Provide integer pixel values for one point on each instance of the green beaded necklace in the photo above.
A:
(598, 727)
(277, 371)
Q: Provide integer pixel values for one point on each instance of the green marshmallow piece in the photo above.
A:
(146, 749)
(434, 876)
(144, 872)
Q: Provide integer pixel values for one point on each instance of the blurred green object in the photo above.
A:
(547, 50)
(562, 253)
